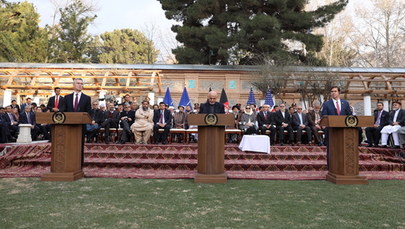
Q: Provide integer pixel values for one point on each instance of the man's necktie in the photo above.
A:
(337, 108)
(56, 101)
(161, 117)
(28, 117)
(76, 101)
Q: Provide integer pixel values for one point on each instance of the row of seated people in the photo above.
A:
(10, 119)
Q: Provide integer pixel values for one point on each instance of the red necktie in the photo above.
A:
(76, 102)
(337, 108)
(56, 101)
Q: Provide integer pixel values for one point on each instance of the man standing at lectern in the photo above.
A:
(334, 106)
(212, 106)
(78, 102)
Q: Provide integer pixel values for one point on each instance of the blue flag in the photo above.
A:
(168, 98)
(251, 99)
(269, 98)
(185, 100)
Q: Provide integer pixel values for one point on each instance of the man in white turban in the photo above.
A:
(143, 125)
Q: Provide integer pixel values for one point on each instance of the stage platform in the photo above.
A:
(179, 161)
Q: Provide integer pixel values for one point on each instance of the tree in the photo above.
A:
(126, 46)
(243, 31)
(21, 39)
(71, 43)
(379, 41)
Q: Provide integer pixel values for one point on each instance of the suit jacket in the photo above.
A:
(269, 120)
(115, 116)
(312, 117)
(16, 106)
(328, 108)
(83, 106)
(400, 117)
(61, 105)
(24, 118)
(280, 119)
(97, 115)
(129, 114)
(167, 115)
(296, 119)
(384, 119)
(218, 108)
(22, 109)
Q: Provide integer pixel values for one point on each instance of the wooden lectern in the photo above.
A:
(211, 146)
(343, 147)
(67, 144)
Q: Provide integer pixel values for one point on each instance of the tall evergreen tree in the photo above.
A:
(245, 31)
(126, 46)
(70, 44)
(21, 39)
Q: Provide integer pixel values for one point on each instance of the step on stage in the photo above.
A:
(178, 161)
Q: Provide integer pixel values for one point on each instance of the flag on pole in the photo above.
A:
(168, 98)
(269, 98)
(185, 100)
(251, 99)
(224, 99)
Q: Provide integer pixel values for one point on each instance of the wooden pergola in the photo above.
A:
(25, 79)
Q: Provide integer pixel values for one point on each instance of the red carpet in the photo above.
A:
(180, 161)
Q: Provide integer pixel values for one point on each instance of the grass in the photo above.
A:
(141, 203)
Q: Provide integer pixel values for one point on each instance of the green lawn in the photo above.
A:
(139, 203)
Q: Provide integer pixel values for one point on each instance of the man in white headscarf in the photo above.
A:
(143, 125)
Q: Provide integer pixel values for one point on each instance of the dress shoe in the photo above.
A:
(384, 146)
(396, 147)
(164, 142)
(369, 145)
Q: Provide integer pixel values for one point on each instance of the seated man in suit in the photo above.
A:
(283, 122)
(28, 117)
(381, 119)
(97, 117)
(143, 125)
(111, 120)
(212, 106)
(396, 121)
(301, 123)
(127, 117)
(266, 121)
(162, 119)
(314, 118)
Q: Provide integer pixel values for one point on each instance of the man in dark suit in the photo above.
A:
(301, 123)
(28, 117)
(314, 118)
(381, 119)
(28, 103)
(127, 118)
(266, 121)
(212, 106)
(97, 117)
(4, 130)
(162, 119)
(78, 101)
(15, 105)
(334, 106)
(283, 122)
(57, 102)
(111, 120)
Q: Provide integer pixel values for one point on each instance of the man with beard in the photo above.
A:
(143, 126)
(396, 121)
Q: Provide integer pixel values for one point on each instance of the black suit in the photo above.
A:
(111, 120)
(4, 130)
(264, 120)
(216, 108)
(286, 119)
(374, 133)
(84, 104)
(167, 120)
(31, 120)
(297, 123)
(61, 104)
(126, 124)
(12, 129)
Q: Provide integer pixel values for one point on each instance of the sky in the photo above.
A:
(118, 14)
